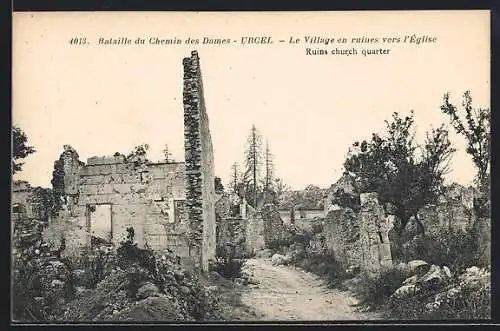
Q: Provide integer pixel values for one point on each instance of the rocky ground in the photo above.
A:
(289, 293)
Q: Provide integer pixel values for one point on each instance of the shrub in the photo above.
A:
(456, 249)
(374, 292)
(96, 267)
(226, 264)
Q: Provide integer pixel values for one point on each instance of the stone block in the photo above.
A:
(104, 169)
(88, 189)
(105, 189)
(138, 188)
(122, 188)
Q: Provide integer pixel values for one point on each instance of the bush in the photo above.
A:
(226, 263)
(456, 249)
(374, 292)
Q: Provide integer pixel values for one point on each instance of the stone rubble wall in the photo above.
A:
(200, 175)
(254, 233)
(342, 236)
(376, 248)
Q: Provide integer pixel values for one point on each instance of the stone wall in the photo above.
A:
(200, 176)
(254, 233)
(447, 214)
(147, 197)
(374, 235)
(342, 236)
(273, 225)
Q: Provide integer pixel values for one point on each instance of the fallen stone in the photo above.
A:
(241, 281)
(419, 267)
(147, 290)
(278, 259)
(265, 253)
(434, 277)
(405, 291)
(411, 280)
(447, 271)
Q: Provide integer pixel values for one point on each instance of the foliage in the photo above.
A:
(20, 149)
(456, 249)
(26, 286)
(374, 292)
(45, 203)
(139, 153)
(391, 166)
(226, 263)
(312, 197)
(347, 200)
(324, 265)
(476, 130)
(129, 254)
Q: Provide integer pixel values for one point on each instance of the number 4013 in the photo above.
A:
(78, 41)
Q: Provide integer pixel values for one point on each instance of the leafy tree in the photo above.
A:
(253, 164)
(476, 130)
(139, 153)
(403, 173)
(312, 197)
(20, 149)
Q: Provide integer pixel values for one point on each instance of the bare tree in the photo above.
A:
(235, 177)
(269, 168)
(167, 154)
(253, 163)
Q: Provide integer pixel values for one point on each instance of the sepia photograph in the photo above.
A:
(177, 167)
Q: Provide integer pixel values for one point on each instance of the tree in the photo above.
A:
(403, 173)
(253, 163)
(167, 154)
(269, 169)
(235, 177)
(20, 149)
(476, 130)
(219, 188)
(312, 197)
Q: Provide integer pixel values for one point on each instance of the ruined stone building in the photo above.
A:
(170, 205)
(240, 228)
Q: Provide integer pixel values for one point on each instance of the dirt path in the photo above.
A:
(289, 293)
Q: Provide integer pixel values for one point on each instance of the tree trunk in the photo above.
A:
(420, 224)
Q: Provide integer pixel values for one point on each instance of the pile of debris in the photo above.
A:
(435, 286)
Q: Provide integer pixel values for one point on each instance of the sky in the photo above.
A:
(102, 99)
